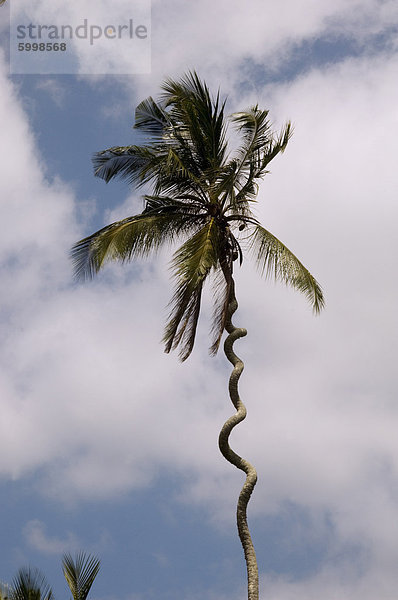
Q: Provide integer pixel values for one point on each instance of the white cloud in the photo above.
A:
(38, 539)
(36, 536)
(96, 42)
(56, 91)
(221, 37)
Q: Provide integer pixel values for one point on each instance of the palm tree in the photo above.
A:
(203, 196)
(30, 584)
(80, 573)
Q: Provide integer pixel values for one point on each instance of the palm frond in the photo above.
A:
(278, 145)
(259, 146)
(134, 237)
(274, 259)
(185, 203)
(80, 573)
(198, 120)
(191, 265)
(170, 168)
(181, 329)
(136, 164)
(178, 168)
(189, 85)
(151, 118)
(30, 584)
(254, 127)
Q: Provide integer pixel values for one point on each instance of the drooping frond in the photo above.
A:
(134, 237)
(191, 264)
(274, 259)
(30, 584)
(80, 573)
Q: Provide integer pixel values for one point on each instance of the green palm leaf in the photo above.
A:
(274, 259)
(151, 118)
(30, 584)
(80, 573)
(134, 237)
(136, 164)
(255, 129)
(191, 264)
(198, 119)
(238, 179)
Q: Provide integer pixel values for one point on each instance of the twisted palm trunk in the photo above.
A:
(242, 464)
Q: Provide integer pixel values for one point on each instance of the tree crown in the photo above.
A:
(200, 194)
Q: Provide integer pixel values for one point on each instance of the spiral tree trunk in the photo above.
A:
(242, 464)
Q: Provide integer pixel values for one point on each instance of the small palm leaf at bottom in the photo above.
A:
(80, 573)
(191, 264)
(30, 584)
(274, 259)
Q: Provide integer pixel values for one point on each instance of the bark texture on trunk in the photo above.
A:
(242, 464)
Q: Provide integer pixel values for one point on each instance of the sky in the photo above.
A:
(108, 444)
